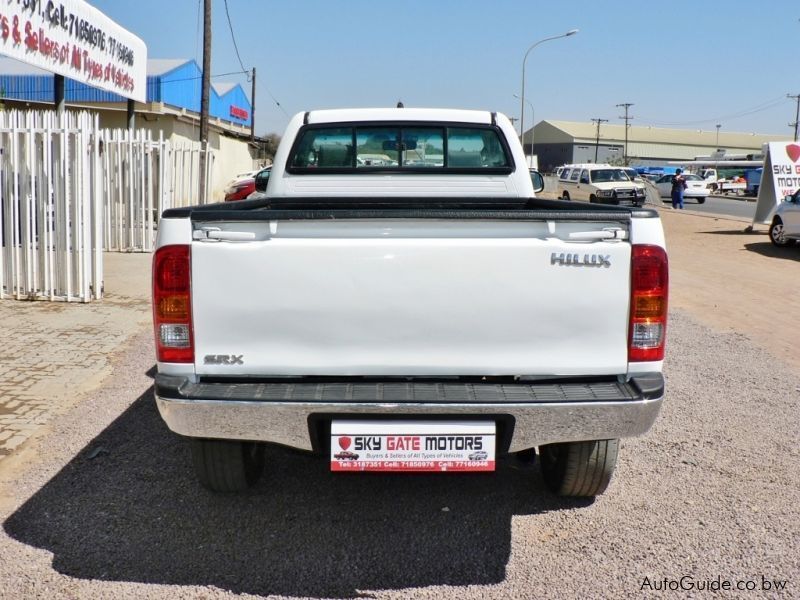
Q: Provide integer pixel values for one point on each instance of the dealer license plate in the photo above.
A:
(412, 445)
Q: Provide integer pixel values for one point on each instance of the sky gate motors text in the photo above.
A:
(419, 442)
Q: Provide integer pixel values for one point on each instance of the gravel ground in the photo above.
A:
(105, 505)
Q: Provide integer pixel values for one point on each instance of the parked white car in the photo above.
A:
(634, 175)
(785, 227)
(696, 187)
(598, 183)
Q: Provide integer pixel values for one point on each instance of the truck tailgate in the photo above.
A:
(410, 297)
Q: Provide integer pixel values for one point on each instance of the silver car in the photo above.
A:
(695, 187)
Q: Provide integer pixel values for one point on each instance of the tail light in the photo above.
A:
(649, 291)
(172, 308)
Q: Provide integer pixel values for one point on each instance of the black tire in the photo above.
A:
(701, 200)
(579, 469)
(592, 199)
(565, 196)
(776, 235)
(227, 465)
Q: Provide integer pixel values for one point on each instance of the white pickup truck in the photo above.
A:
(401, 301)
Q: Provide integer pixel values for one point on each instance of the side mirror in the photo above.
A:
(261, 182)
(537, 180)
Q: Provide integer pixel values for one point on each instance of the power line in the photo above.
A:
(796, 123)
(241, 64)
(233, 38)
(767, 105)
(278, 104)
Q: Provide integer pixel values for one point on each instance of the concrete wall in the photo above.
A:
(231, 157)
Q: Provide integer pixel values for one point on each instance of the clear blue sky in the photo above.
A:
(684, 64)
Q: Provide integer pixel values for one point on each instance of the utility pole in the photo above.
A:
(796, 123)
(597, 140)
(59, 95)
(204, 99)
(626, 106)
(253, 109)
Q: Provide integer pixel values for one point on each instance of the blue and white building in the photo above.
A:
(172, 108)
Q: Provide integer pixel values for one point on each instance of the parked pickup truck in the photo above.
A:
(401, 301)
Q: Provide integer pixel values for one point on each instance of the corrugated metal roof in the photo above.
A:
(11, 66)
(223, 88)
(173, 81)
(160, 66)
(612, 133)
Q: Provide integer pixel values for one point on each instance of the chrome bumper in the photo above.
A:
(541, 413)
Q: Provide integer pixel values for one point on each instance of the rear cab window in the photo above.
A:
(366, 147)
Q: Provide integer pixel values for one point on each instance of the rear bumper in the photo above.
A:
(297, 414)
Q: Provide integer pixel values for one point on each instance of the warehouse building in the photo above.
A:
(172, 109)
(563, 142)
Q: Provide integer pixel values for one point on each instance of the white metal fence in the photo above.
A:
(49, 216)
(142, 177)
(70, 190)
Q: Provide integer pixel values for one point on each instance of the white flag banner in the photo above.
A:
(74, 39)
(780, 178)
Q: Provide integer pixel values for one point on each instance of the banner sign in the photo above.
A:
(412, 446)
(239, 113)
(73, 39)
(780, 178)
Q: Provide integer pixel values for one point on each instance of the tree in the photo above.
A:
(269, 145)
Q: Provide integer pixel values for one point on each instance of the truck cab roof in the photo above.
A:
(350, 115)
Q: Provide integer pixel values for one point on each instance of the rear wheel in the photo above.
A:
(227, 465)
(565, 196)
(701, 200)
(579, 468)
(592, 198)
(777, 234)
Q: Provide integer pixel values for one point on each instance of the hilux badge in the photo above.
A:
(569, 259)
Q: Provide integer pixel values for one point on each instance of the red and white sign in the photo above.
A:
(239, 113)
(780, 178)
(74, 39)
(412, 445)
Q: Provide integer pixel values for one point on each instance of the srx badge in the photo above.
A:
(223, 359)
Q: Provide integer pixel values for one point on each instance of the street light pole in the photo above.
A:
(524, 60)
(517, 96)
